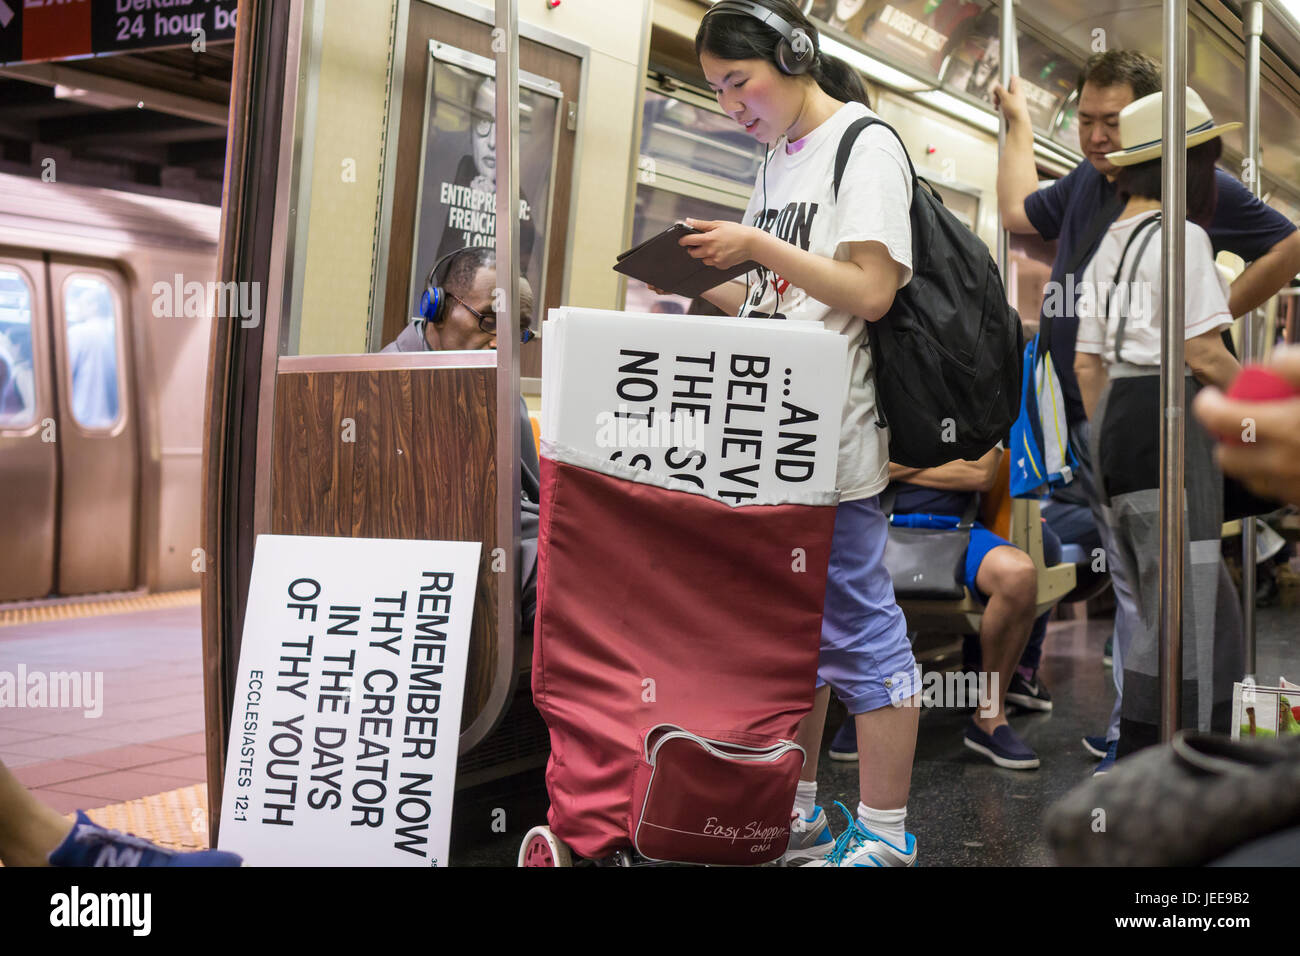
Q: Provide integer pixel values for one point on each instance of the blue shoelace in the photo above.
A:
(848, 841)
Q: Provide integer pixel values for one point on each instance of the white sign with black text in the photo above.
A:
(743, 409)
(346, 719)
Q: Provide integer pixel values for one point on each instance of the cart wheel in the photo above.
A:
(541, 847)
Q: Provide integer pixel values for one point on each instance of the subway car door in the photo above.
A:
(29, 462)
(97, 429)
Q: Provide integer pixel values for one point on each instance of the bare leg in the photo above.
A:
(29, 830)
(886, 748)
(809, 736)
(1010, 579)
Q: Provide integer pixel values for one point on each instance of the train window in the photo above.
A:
(695, 163)
(1067, 123)
(656, 210)
(91, 325)
(679, 134)
(17, 378)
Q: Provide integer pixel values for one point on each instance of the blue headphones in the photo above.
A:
(433, 301)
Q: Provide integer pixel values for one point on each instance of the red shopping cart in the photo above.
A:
(675, 654)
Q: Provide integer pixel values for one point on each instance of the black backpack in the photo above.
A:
(947, 354)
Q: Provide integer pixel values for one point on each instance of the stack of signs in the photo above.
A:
(346, 719)
(742, 409)
(1265, 711)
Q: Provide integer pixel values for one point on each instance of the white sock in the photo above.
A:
(805, 798)
(886, 824)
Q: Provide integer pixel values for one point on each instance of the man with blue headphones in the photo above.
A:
(458, 313)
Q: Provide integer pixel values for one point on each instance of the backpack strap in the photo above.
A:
(1142, 230)
(850, 137)
(1119, 268)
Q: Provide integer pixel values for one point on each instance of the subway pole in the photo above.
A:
(1252, 15)
(505, 43)
(1172, 391)
(1006, 69)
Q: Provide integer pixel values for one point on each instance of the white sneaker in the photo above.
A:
(809, 839)
(858, 846)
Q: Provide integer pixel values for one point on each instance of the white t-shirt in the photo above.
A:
(1206, 296)
(874, 203)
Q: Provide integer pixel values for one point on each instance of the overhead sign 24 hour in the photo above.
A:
(35, 30)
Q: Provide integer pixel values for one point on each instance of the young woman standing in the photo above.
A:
(838, 260)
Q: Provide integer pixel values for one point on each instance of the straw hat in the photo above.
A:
(1140, 125)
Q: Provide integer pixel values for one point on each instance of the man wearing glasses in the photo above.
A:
(458, 311)
(463, 318)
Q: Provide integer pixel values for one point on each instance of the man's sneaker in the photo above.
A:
(1107, 659)
(1004, 747)
(858, 846)
(1029, 694)
(1108, 761)
(1096, 746)
(844, 746)
(809, 839)
(89, 844)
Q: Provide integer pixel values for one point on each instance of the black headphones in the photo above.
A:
(796, 52)
(433, 302)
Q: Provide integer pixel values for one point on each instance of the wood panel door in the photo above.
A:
(422, 465)
(427, 23)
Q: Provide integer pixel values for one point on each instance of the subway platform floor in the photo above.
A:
(143, 736)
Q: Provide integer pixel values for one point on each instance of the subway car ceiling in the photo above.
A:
(1216, 57)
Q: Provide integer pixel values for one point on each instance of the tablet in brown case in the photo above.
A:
(662, 263)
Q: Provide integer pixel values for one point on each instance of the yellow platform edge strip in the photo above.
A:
(177, 819)
(63, 612)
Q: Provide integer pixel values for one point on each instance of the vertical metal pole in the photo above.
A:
(505, 41)
(1172, 368)
(1006, 68)
(1252, 13)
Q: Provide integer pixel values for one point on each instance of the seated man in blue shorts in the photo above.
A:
(1000, 575)
(1026, 689)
